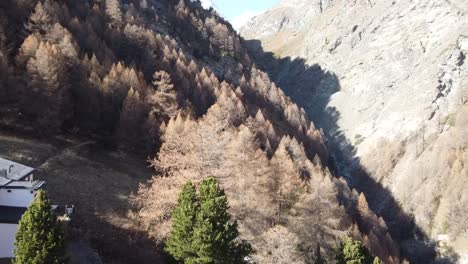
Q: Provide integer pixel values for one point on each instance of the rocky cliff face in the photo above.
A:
(387, 82)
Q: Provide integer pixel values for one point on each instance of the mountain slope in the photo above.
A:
(393, 103)
(173, 81)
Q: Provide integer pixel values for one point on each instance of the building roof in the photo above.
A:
(13, 171)
(11, 215)
(32, 185)
(4, 181)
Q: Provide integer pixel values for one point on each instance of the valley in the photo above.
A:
(386, 81)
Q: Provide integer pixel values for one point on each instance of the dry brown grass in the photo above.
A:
(98, 182)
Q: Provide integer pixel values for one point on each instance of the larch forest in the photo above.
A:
(175, 84)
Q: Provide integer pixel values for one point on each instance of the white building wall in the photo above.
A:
(16, 197)
(7, 239)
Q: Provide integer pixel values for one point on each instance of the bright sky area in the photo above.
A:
(238, 12)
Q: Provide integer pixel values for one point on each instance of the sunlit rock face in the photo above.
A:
(292, 15)
(387, 81)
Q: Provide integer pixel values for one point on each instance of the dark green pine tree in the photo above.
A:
(40, 238)
(215, 236)
(179, 243)
(377, 261)
(352, 251)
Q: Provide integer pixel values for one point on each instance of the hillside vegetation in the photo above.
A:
(173, 81)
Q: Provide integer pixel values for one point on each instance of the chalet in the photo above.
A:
(17, 190)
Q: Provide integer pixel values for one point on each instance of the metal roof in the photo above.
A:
(4, 181)
(32, 185)
(11, 215)
(14, 171)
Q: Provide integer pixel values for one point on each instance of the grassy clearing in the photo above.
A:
(98, 182)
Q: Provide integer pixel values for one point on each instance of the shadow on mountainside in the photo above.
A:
(312, 87)
(103, 222)
(96, 179)
(99, 183)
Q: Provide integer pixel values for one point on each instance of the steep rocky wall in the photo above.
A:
(393, 101)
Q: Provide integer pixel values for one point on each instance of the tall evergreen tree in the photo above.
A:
(215, 236)
(40, 20)
(114, 11)
(377, 261)
(132, 116)
(164, 96)
(49, 97)
(40, 239)
(352, 251)
(179, 243)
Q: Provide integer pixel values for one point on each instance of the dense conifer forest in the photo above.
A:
(173, 81)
